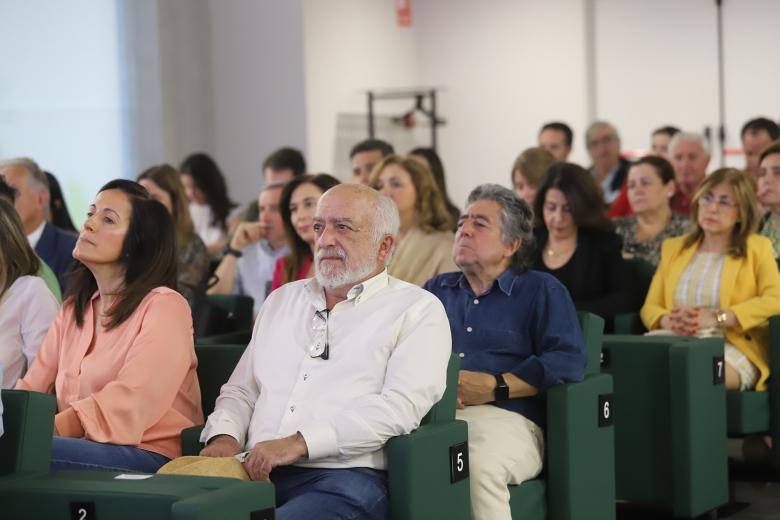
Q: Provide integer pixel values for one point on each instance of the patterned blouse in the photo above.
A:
(649, 250)
(770, 228)
(699, 285)
(192, 266)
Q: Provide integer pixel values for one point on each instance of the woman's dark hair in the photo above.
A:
(662, 167)
(583, 195)
(299, 249)
(209, 180)
(437, 169)
(59, 211)
(17, 258)
(148, 257)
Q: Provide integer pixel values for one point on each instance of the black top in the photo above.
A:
(595, 274)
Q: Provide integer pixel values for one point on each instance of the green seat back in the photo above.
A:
(240, 337)
(239, 306)
(215, 365)
(593, 332)
(444, 410)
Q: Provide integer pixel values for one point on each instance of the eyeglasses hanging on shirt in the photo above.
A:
(320, 348)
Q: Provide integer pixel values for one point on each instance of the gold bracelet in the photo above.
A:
(720, 318)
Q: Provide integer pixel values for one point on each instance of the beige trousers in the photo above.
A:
(504, 448)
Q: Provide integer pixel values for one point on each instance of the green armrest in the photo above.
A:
(418, 467)
(28, 418)
(774, 389)
(54, 495)
(580, 450)
(670, 427)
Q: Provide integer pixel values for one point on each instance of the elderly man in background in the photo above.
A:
(52, 244)
(608, 167)
(689, 154)
(517, 334)
(337, 366)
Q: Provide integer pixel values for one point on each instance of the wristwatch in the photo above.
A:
(501, 393)
(230, 251)
(720, 318)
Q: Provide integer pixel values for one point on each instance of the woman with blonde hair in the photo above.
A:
(164, 184)
(425, 237)
(528, 172)
(27, 306)
(720, 279)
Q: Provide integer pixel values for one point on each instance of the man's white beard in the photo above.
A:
(331, 276)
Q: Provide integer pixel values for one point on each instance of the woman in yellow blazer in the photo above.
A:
(720, 279)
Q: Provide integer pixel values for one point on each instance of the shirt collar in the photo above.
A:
(35, 236)
(266, 248)
(505, 282)
(356, 294)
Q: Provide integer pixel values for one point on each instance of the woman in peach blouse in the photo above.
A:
(119, 356)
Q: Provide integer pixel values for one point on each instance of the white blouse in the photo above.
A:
(201, 219)
(27, 309)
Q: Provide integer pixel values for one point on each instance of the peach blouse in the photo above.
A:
(133, 385)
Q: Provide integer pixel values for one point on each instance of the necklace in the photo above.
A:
(550, 253)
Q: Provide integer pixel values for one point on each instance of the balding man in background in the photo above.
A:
(52, 244)
(608, 167)
(689, 154)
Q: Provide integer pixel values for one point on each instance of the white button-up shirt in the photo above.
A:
(389, 344)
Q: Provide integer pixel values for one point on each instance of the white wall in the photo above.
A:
(506, 73)
(351, 46)
(258, 81)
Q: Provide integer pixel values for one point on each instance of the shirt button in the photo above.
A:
(476, 301)
(305, 377)
(292, 409)
(469, 329)
(461, 355)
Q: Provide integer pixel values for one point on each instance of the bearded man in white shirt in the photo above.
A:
(336, 367)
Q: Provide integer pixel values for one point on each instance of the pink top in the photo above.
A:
(136, 385)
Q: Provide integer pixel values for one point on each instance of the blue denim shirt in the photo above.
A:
(525, 324)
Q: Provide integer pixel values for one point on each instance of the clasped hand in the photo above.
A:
(264, 456)
(688, 321)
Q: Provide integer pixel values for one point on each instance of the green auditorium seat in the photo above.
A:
(239, 337)
(87, 495)
(670, 427)
(420, 465)
(578, 481)
(759, 412)
(221, 314)
(28, 419)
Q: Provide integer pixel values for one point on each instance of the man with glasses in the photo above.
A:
(609, 168)
(337, 366)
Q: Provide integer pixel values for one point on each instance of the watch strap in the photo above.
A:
(230, 251)
(501, 393)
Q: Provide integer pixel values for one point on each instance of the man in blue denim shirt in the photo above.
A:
(517, 334)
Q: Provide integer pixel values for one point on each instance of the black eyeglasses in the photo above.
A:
(320, 348)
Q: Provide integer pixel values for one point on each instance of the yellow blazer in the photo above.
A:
(749, 286)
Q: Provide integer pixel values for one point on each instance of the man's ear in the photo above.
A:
(385, 247)
(512, 247)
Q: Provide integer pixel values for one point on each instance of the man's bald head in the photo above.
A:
(355, 228)
(380, 211)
